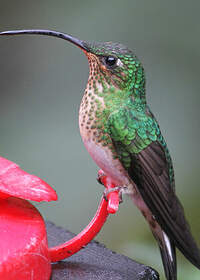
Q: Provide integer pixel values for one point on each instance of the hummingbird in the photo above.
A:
(123, 137)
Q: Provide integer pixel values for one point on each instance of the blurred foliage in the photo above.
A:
(43, 79)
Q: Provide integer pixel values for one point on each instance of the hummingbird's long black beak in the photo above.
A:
(81, 44)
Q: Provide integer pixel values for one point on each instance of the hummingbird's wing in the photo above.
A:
(143, 152)
(149, 171)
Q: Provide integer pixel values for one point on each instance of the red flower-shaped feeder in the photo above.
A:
(24, 252)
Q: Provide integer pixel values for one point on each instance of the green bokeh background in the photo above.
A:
(41, 84)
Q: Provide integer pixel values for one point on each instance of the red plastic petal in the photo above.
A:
(23, 248)
(16, 182)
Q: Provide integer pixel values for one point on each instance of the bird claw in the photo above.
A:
(118, 189)
(105, 180)
(100, 177)
(99, 180)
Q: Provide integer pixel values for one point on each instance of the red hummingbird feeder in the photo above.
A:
(24, 248)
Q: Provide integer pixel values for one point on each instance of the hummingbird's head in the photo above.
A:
(116, 63)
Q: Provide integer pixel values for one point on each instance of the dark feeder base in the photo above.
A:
(95, 262)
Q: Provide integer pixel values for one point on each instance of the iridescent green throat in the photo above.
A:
(122, 86)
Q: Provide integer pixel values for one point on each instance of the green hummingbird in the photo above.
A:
(123, 137)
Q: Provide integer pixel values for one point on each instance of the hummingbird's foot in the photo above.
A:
(112, 193)
(105, 180)
(115, 189)
(99, 180)
(100, 177)
(109, 185)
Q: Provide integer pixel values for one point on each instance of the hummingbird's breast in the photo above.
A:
(93, 115)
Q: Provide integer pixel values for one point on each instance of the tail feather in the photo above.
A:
(166, 245)
(168, 254)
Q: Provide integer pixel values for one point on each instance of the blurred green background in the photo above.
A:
(41, 84)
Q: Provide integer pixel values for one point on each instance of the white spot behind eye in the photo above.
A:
(119, 63)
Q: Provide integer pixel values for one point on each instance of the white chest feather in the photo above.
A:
(104, 159)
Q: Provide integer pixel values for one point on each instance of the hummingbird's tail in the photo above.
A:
(168, 254)
(167, 247)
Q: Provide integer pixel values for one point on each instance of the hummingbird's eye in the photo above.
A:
(110, 61)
